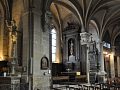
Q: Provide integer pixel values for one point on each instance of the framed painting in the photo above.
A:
(44, 63)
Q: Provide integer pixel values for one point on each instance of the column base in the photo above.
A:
(101, 76)
(41, 83)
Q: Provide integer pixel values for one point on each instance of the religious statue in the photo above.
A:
(12, 35)
(71, 47)
(13, 29)
(13, 44)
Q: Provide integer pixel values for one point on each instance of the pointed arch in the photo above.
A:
(113, 41)
(6, 8)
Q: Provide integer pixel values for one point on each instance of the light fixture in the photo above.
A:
(1, 58)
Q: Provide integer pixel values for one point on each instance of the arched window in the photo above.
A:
(107, 45)
(53, 34)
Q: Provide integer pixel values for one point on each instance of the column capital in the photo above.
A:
(101, 42)
(48, 19)
(85, 37)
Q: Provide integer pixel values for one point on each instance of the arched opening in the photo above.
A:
(117, 55)
(53, 35)
(107, 53)
(65, 43)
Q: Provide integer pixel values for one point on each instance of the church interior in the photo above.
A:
(59, 44)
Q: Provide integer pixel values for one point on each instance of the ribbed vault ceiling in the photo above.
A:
(105, 13)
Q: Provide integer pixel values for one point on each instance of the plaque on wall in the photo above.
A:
(44, 63)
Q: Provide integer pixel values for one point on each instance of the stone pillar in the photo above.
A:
(27, 64)
(41, 47)
(101, 58)
(1, 37)
(85, 41)
(26, 45)
(102, 72)
(118, 65)
(36, 46)
(112, 68)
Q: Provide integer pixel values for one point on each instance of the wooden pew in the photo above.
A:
(80, 78)
(58, 79)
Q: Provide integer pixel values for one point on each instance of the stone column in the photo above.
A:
(118, 65)
(101, 58)
(27, 64)
(1, 37)
(102, 72)
(85, 41)
(26, 45)
(41, 48)
(36, 46)
(112, 68)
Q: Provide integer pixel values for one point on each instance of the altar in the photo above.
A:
(71, 47)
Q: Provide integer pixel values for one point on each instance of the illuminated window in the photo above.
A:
(107, 45)
(53, 33)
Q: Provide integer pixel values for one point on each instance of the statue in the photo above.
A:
(13, 44)
(71, 47)
(12, 35)
(13, 29)
(71, 51)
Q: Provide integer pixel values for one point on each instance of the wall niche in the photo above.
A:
(71, 47)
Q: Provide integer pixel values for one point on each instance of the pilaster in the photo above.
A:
(118, 65)
(101, 58)
(85, 41)
(2, 38)
(112, 67)
(102, 72)
(41, 47)
(35, 47)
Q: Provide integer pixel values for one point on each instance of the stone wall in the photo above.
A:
(39, 83)
(17, 11)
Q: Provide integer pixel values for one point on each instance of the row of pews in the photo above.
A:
(111, 84)
(61, 79)
(100, 86)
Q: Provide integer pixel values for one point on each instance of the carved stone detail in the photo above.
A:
(85, 38)
(48, 18)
